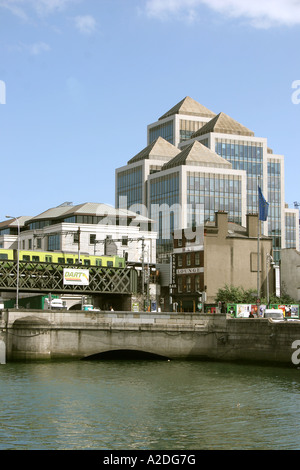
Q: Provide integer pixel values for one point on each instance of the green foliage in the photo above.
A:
(238, 295)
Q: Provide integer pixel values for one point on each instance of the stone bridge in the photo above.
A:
(39, 334)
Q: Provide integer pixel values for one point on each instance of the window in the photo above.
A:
(179, 260)
(87, 262)
(76, 237)
(197, 258)
(99, 262)
(53, 242)
(48, 259)
(39, 243)
(61, 260)
(188, 283)
(197, 282)
(26, 258)
(110, 264)
(35, 258)
(92, 239)
(124, 241)
(3, 256)
(70, 260)
(29, 244)
(188, 259)
(179, 284)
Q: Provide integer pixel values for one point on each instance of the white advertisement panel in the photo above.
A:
(76, 277)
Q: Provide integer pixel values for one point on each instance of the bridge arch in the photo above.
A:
(126, 355)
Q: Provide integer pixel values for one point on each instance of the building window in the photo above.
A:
(53, 242)
(179, 284)
(39, 243)
(197, 258)
(92, 239)
(124, 241)
(179, 260)
(197, 282)
(188, 259)
(188, 283)
(76, 237)
(29, 244)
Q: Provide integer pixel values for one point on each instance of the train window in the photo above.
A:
(120, 264)
(26, 258)
(110, 264)
(48, 259)
(98, 262)
(61, 260)
(35, 258)
(70, 260)
(87, 262)
(3, 256)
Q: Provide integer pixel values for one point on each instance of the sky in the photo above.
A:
(80, 80)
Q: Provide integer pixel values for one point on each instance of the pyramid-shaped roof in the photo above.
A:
(189, 107)
(224, 125)
(159, 149)
(199, 155)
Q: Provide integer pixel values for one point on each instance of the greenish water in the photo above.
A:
(148, 405)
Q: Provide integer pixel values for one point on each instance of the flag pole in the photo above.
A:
(258, 244)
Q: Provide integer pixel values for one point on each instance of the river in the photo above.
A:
(148, 405)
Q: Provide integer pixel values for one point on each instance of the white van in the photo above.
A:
(274, 314)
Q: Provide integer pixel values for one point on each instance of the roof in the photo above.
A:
(159, 149)
(13, 223)
(197, 154)
(224, 125)
(87, 208)
(189, 107)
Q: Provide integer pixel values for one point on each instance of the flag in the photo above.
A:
(263, 206)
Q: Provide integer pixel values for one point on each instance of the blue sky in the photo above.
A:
(83, 78)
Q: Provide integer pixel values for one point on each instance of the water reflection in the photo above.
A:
(148, 405)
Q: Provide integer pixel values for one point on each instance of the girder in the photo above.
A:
(48, 277)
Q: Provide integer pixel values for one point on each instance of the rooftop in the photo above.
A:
(199, 155)
(189, 107)
(223, 124)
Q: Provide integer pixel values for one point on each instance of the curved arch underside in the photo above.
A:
(126, 355)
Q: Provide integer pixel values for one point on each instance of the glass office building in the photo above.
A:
(203, 181)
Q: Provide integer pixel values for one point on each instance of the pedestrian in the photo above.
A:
(111, 309)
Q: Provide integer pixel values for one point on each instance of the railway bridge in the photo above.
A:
(37, 277)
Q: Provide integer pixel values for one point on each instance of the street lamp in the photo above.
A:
(270, 260)
(18, 254)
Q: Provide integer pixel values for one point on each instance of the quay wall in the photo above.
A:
(40, 334)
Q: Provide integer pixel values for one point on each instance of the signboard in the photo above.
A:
(76, 277)
(190, 270)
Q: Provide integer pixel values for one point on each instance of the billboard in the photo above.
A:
(76, 277)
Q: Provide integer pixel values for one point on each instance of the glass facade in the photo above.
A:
(246, 156)
(165, 130)
(130, 184)
(213, 192)
(290, 230)
(187, 128)
(274, 199)
(164, 208)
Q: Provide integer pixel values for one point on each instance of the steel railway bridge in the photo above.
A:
(48, 277)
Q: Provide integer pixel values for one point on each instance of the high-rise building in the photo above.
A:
(199, 162)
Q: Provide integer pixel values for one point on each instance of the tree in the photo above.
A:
(238, 295)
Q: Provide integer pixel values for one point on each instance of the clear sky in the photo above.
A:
(81, 79)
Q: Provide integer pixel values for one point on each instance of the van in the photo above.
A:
(274, 314)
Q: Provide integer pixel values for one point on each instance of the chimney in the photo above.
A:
(252, 225)
(222, 223)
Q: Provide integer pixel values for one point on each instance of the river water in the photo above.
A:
(148, 405)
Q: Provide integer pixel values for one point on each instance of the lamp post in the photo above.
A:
(18, 254)
(269, 260)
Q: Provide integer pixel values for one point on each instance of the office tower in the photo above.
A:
(172, 169)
